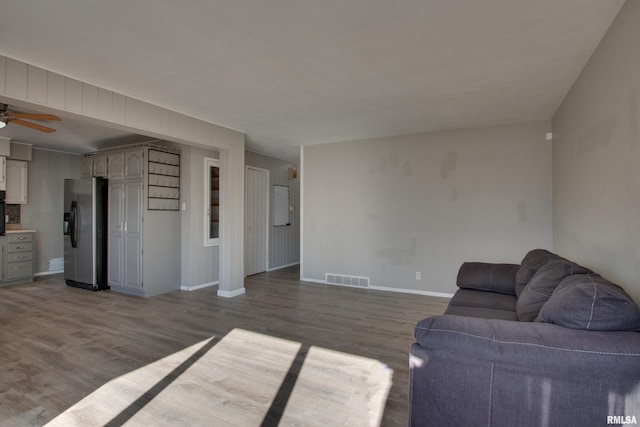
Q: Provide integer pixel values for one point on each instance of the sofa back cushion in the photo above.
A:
(590, 302)
(540, 287)
(487, 277)
(531, 262)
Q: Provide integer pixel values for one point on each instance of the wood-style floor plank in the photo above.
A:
(58, 344)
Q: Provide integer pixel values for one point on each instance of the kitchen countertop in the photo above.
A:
(21, 230)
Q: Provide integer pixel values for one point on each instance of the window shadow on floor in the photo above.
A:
(135, 407)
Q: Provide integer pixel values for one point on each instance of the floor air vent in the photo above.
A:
(341, 279)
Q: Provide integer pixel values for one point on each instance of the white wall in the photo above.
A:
(596, 159)
(45, 199)
(201, 264)
(284, 242)
(388, 208)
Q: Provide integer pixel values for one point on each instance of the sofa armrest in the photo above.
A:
(488, 277)
(520, 373)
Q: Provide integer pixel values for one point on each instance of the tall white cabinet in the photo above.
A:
(126, 194)
(143, 242)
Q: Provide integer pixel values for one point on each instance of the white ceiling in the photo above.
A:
(298, 72)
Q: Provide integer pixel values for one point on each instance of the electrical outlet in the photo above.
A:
(418, 275)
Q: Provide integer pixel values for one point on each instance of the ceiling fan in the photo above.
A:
(7, 117)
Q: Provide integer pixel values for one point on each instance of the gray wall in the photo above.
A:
(284, 242)
(200, 264)
(43, 211)
(388, 208)
(596, 158)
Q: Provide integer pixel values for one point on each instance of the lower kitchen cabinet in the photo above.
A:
(17, 257)
(125, 237)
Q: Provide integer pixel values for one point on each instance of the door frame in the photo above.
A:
(266, 215)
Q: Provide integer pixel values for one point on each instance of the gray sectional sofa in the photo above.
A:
(543, 343)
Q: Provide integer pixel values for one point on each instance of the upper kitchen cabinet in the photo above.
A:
(16, 182)
(95, 165)
(127, 164)
(5, 150)
(13, 171)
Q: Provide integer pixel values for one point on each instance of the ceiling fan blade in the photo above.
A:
(32, 125)
(34, 116)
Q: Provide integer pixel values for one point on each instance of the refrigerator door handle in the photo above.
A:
(74, 224)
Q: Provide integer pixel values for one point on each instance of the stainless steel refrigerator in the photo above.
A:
(85, 233)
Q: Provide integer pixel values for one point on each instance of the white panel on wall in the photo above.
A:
(56, 90)
(3, 65)
(191, 128)
(119, 107)
(89, 100)
(176, 124)
(74, 95)
(105, 104)
(144, 111)
(37, 84)
(155, 117)
(131, 111)
(16, 78)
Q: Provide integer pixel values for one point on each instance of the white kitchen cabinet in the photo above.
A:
(126, 164)
(95, 165)
(100, 165)
(87, 166)
(125, 236)
(134, 164)
(143, 257)
(16, 182)
(116, 165)
(17, 250)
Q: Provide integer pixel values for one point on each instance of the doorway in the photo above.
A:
(256, 218)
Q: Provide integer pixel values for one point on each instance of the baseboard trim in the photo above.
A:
(283, 266)
(412, 291)
(196, 287)
(47, 273)
(383, 288)
(231, 294)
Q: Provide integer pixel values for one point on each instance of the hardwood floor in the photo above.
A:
(59, 344)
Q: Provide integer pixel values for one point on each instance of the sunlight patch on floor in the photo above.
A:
(235, 382)
(336, 388)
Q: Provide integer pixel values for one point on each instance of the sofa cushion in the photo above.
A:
(541, 286)
(531, 262)
(590, 302)
(482, 299)
(487, 277)
(481, 312)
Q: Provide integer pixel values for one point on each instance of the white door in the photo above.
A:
(256, 220)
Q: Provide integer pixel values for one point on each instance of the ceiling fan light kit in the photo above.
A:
(7, 117)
